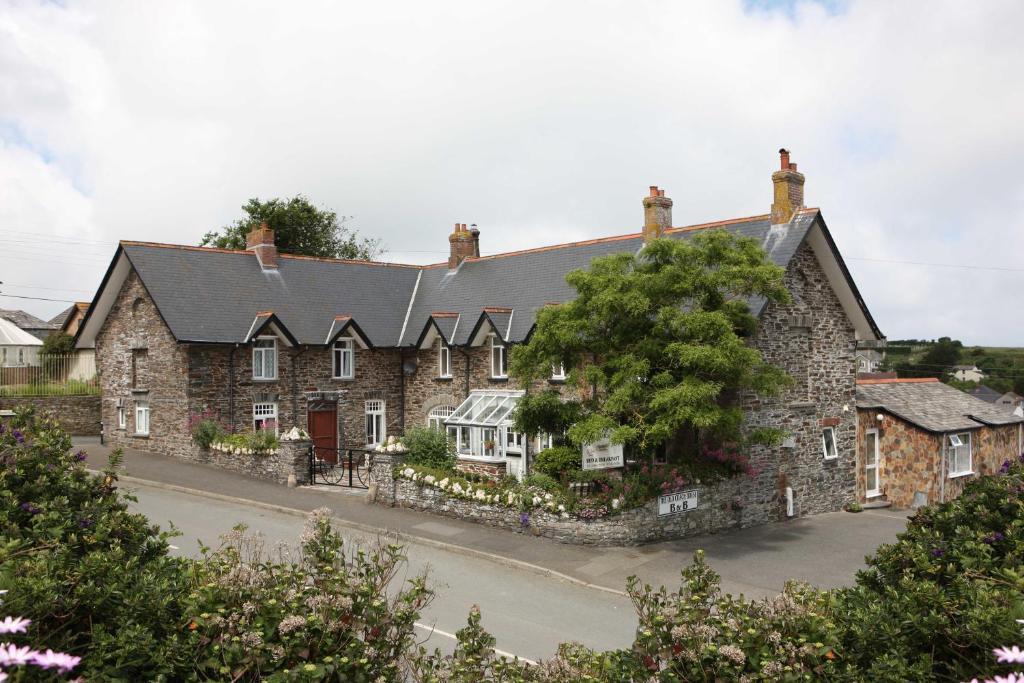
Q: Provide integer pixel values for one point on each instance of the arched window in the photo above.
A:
(437, 416)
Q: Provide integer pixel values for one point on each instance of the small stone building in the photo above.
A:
(919, 440)
(356, 351)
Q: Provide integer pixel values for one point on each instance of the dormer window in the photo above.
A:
(444, 360)
(344, 359)
(264, 358)
(499, 359)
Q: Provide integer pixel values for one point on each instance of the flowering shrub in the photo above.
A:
(13, 656)
(205, 428)
(504, 492)
(327, 616)
(392, 445)
(258, 442)
(429, 447)
(92, 579)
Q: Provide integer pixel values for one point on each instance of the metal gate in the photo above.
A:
(348, 467)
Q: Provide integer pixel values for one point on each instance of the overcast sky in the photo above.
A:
(541, 122)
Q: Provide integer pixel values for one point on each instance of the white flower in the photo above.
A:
(615, 504)
(480, 495)
(457, 488)
(536, 500)
(429, 479)
(548, 496)
(408, 471)
(565, 515)
(443, 483)
(561, 508)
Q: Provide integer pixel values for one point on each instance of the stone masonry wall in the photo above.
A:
(139, 360)
(813, 340)
(78, 415)
(292, 459)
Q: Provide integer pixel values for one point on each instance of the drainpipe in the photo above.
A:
(295, 389)
(231, 388)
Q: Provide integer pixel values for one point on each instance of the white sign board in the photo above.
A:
(677, 502)
(602, 455)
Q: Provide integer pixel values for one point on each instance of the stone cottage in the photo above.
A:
(356, 351)
(919, 440)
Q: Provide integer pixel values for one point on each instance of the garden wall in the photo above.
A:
(718, 510)
(78, 415)
(292, 458)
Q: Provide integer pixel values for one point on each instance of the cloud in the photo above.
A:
(540, 122)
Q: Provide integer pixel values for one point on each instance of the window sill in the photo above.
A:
(140, 436)
(264, 380)
(344, 379)
(875, 494)
(957, 475)
(443, 379)
(499, 379)
(830, 458)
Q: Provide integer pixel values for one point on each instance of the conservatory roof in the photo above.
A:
(12, 335)
(485, 409)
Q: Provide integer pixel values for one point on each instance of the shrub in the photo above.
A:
(543, 482)
(326, 617)
(557, 461)
(206, 432)
(934, 604)
(95, 580)
(429, 447)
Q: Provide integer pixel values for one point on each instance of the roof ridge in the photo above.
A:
(898, 380)
(219, 250)
(610, 238)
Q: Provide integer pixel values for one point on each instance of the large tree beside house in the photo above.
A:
(300, 228)
(657, 343)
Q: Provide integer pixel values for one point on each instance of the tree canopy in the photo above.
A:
(299, 228)
(656, 344)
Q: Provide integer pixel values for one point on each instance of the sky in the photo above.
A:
(541, 122)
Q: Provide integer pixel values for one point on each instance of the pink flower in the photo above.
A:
(1009, 655)
(56, 660)
(12, 655)
(14, 625)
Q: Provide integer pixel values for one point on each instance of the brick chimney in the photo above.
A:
(657, 214)
(789, 190)
(260, 241)
(463, 245)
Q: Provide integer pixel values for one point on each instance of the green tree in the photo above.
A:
(943, 354)
(58, 343)
(299, 228)
(657, 343)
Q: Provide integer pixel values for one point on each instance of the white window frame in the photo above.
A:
(513, 441)
(263, 411)
(143, 417)
(956, 447)
(437, 416)
(122, 417)
(21, 356)
(376, 426)
(872, 462)
(259, 358)
(825, 442)
(558, 371)
(444, 360)
(499, 358)
(345, 346)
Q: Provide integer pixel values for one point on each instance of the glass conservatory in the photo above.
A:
(481, 428)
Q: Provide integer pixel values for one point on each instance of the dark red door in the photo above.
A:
(323, 428)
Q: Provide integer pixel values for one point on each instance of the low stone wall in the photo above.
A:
(717, 511)
(78, 415)
(292, 458)
(487, 469)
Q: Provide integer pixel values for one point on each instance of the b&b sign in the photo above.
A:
(602, 455)
(677, 502)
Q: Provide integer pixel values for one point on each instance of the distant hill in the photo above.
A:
(1004, 365)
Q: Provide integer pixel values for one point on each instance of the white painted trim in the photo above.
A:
(837, 280)
(104, 301)
(508, 330)
(408, 310)
(875, 492)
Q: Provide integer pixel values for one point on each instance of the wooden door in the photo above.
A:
(323, 429)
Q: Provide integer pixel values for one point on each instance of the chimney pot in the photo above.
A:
(784, 159)
(462, 244)
(657, 214)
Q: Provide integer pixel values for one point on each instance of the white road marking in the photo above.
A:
(502, 653)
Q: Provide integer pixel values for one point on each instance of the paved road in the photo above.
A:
(527, 613)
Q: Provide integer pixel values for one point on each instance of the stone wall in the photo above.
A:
(718, 510)
(138, 359)
(78, 415)
(291, 460)
(812, 339)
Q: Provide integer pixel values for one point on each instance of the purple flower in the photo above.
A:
(1009, 655)
(80, 456)
(55, 660)
(524, 518)
(18, 436)
(938, 552)
(1005, 468)
(993, 538)
(30, 508)
(84, 523)
(12, 655)
(14, 625)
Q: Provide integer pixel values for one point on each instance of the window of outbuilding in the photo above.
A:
(958, 454)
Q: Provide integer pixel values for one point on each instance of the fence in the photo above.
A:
(72, 374)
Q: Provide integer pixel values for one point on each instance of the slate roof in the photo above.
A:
(214, 295)
(930, 404)
(985, 393)
(26, 321)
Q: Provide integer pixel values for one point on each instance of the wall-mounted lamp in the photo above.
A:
(880, 417)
